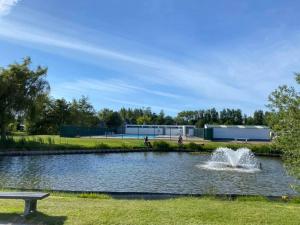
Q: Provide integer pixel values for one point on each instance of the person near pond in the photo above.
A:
(180, 140)
(147, 142)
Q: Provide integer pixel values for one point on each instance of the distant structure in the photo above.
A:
(236, 132)
(160, 130)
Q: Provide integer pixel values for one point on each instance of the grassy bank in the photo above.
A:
(71, 209)
(48, 142)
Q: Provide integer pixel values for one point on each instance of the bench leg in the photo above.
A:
(30, 207)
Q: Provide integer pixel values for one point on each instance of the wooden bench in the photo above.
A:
(30, 199)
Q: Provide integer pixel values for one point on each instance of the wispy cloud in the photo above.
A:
(243, 75)
(158, 68)
(113, 86)
(144, 105)
(115, 91)
(6, 5)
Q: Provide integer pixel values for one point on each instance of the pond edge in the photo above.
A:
(105, 151)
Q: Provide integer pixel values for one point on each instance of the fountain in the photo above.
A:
(227, 159)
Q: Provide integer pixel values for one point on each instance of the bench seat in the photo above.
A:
(30, 199)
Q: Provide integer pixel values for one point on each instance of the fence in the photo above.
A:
(199, 132)
(102, 132)
(77, 131)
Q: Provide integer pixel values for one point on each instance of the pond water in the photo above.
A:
(141, 172)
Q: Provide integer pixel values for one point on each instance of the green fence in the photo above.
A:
(208, 133)
(199, 132)
(205, 133)
(77, 131)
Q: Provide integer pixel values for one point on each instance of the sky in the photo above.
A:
(172, 55)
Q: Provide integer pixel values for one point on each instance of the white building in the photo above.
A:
(166, 130)
(236, 132)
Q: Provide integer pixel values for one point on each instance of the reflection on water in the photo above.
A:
(140, 172)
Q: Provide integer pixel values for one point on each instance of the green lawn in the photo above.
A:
(70, 209)
(85, 142)
(41, 142)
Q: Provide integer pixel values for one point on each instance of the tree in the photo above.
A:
(145, 119)
(20, 87)
(259, 117)
(187, 117)
(114, 120)
(160, 118)
(284, 120)
(110, 119)
(82, 113)
(48, 116)
(104, 115)
(231, 116)
(169, 120)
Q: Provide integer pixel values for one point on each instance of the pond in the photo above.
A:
(141, 172)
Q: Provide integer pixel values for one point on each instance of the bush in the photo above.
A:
(102, 146)
(194, 146)
(161, 145)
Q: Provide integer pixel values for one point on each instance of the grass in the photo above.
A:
(75, 209)
(46, 142)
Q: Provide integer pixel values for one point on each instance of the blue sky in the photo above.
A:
(167, 54)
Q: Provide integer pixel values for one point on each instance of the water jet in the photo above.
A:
(241, 159)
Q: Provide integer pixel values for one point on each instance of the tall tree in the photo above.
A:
(111, 119)
(259, 117)
(114, 121)
(20, 87)
(145, 119)
(82, 113)
(284, 120)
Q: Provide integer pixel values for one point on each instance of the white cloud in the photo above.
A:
(159, 69)
(243, 75)
(113, 86)
(6, 5)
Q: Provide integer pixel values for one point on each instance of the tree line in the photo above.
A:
(25, 99)
(54, 113)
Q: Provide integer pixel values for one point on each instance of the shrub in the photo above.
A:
(194, 146)
(161, 145)
(102, 146)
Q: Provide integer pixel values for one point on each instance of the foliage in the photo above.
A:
(20, 88)
(110, 119)
(193, 146)
(145, 119)
(225, 116)
(231, 116)
(50, 114)
(285, 122)
(161, 145)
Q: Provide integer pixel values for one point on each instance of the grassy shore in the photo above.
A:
(73, 209)
(48, 142)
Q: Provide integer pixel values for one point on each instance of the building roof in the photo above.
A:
(236, 126)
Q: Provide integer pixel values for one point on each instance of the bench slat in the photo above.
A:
(23, 195)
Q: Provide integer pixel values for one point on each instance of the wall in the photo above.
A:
(158, 131)
(241, 133)
(144, 131)
(174, 131)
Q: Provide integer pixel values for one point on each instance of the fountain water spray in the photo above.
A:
(227, 159)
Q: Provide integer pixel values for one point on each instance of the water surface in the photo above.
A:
(141, 172)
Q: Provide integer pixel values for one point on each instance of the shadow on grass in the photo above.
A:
(34, 218)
